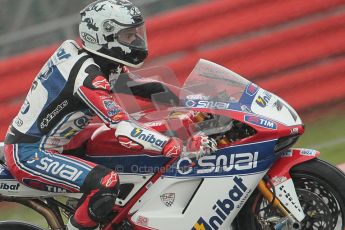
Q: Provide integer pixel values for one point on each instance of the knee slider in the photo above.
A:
(101, 204)
(102, 186)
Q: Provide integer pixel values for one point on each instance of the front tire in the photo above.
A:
(321, 190)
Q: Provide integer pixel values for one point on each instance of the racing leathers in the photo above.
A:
(66, 94)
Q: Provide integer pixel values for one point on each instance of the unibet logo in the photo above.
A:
(150, 138)
(222, 208)
(13, 187)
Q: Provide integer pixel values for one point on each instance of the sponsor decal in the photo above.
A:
(101, 83)
(88, 37)
(294, 131)
(55, 189)
(50, 116)
(81, 122)
(278, 180)
(25, 108)
(223, 208)
(109, 26)
(109, 104)
(62, 54)
(219, 164)
(9, 187)
(308, 152)
(120, 116)
(111, 180)
(68, 133)
(288, 153)
(245, 108)
(134, 11)
(262, 101)
(155, 123)
(148, 137)
(197, 97)
(142, 220)
(208, 104)
(128, 143)
(59, 169)
(18, 121)
(252, 89)
(168, 199)
(289, 197)
(265, 123)
(190, 103)
(279, 105)
(32, 183)
(46, 71)
(113, 112)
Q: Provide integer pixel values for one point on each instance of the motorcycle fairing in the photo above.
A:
(234, 160)
(140, 163)
(216, 199)
(9, 186)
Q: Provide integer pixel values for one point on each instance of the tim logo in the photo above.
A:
(260, 122)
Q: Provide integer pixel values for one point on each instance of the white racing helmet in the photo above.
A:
(115, 30)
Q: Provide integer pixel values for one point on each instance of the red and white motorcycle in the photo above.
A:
(255, 180)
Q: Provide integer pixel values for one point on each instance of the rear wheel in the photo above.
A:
(16, 225)
(321, 191)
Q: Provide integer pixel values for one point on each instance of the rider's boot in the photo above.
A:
(100, 192)
(72, 225)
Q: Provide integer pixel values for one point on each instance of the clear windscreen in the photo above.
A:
(212, 86)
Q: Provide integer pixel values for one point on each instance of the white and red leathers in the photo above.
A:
(66, 94)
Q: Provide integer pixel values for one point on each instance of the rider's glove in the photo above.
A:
(199, 146)
(173, 147)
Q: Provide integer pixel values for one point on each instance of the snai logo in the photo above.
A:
(219, 164)
(222, 208)
(150, 138)
(59, 169)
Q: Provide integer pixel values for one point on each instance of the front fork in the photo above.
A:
(285, 198)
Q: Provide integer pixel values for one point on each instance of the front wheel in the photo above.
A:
(321, 191)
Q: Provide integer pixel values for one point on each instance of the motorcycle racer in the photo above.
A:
(71, 88)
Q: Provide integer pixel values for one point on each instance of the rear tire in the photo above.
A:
(16, 225)
(320, 187)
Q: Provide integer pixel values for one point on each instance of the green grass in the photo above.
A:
(327, 136)
(319, 133)
(14, 211)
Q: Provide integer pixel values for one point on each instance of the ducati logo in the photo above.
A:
(168, 199)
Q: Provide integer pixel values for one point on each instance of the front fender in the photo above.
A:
(289, 159)
(282, 182)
